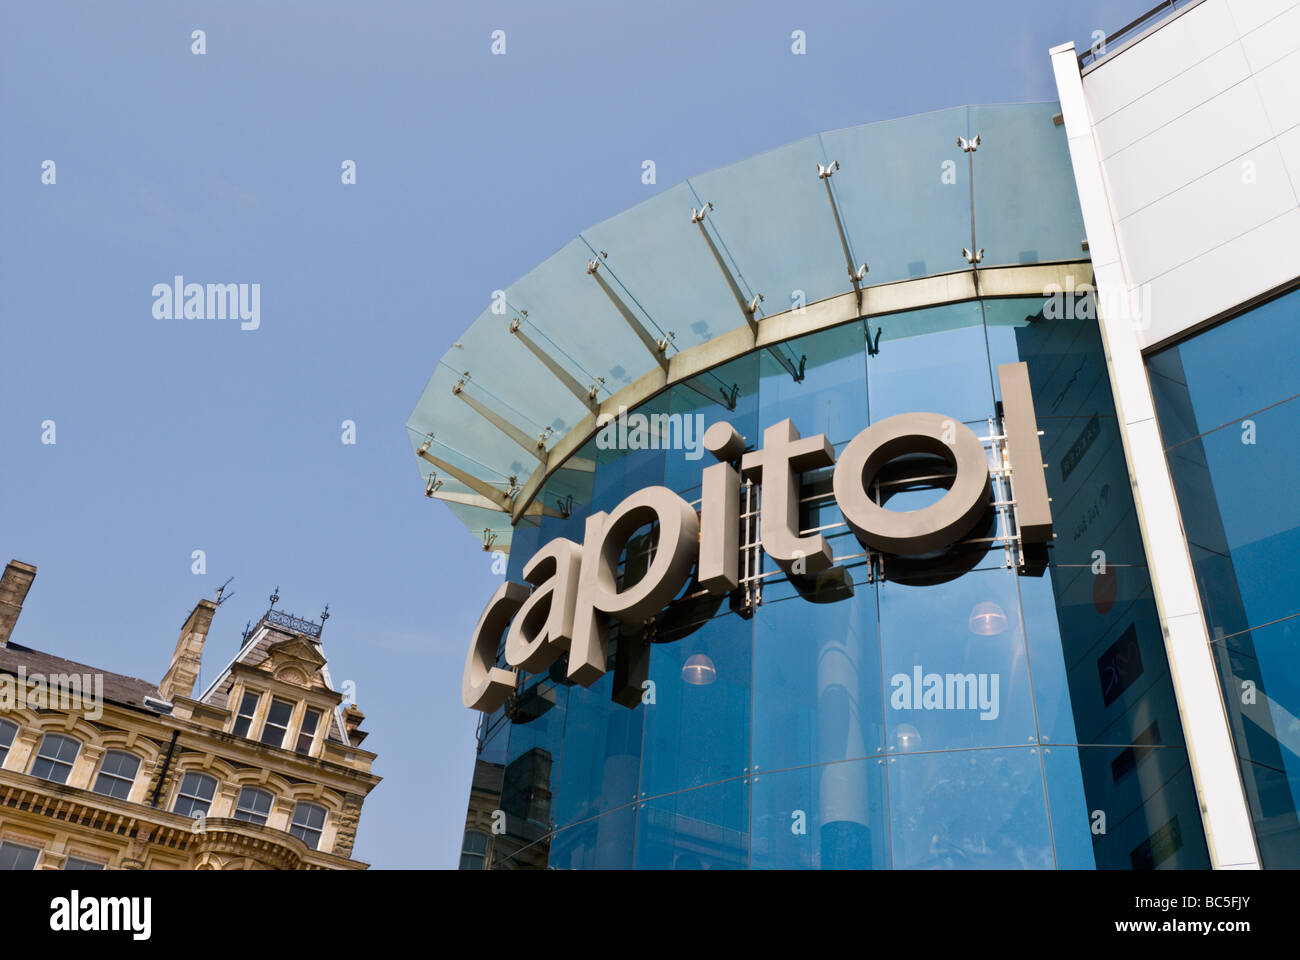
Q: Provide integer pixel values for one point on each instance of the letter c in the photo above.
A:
(486, 686)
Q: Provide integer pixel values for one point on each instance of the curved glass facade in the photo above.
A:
(1228, 402)
(786, 728)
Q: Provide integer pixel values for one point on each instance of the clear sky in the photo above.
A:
(181, 435)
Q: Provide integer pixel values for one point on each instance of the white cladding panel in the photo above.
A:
(1197, 126)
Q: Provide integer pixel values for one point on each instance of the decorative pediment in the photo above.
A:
(296, 661)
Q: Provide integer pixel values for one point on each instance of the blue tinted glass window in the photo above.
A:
(697, 728)
(817, 685)
(969, 809)
(829, 817)
(955, 666)
(701, 829)
(1226, 402)
(1224, 374)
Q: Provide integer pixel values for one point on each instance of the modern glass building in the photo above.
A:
(988, 704)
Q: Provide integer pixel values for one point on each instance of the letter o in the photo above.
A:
(912, 532)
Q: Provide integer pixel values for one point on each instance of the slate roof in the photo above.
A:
(127, 691)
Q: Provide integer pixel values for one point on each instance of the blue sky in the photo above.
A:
(182, 435)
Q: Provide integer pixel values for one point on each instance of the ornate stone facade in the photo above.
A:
(262, 769)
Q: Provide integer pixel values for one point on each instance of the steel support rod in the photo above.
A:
(855, 273)
(571, 383)
(658, 348)
(474, 483)
(533, 445)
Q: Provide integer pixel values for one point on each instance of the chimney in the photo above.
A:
(14, 584)
(184, 670)
(352, 720)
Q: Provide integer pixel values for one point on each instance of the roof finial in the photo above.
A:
(275, 595)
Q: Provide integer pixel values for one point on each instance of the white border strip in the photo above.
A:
(1219, 788)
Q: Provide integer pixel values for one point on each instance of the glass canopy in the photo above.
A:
(562, 339)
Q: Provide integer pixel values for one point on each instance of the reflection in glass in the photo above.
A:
(955, 687)
(817, 688)
(969, 809)
(701, 829)
(1226, 402)
(830, 817)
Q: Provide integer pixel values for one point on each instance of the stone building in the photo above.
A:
(260, 769)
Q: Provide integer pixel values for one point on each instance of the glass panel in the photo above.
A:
(832, 397)
(1229, 417)
(828, 817)
(55, 757)
(532, 765)
(195, 795)
(817, 687)
(969, 809)
(955, 665)
(14, 856)
(563, 299)
(1124, 808)
(254, 805)
(308, 822)
(621, 471)
(1059, 339)
(602, 843)
(602, 754)
(653, 241)
(1228, 372)
(1261, 688)
(704, 829)
(310, 720)
(7, 733)
(485, 787)
(1026, 204)
(697, 728)
(117, 774)
(1251, 486)
(1087, 479)
(277, 723)
(247, 708)
(932, 361)
(727, 393)
(801, 260)
(75, 863)
(904, 193)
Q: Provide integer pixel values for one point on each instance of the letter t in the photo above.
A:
(777, 467)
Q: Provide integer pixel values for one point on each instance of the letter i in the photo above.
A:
(719, 567)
